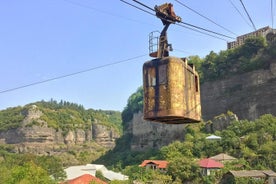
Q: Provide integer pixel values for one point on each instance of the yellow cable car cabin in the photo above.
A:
(171, 85)
(171, 91)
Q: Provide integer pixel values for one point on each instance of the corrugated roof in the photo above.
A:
(76, 171)
(223, 157)
(162, 164)
(253, 173)
(210, 163)
(111, 175)
(85, 179)
(269, 173)
(248, 173)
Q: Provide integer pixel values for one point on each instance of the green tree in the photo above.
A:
(29, 173)
(183, 168)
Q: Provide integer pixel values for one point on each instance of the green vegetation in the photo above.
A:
(11, 118)
(254, 54)
(134, 104)
(61, 115)
(253, 143)
(29, 169)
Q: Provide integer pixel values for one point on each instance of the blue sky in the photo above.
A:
(41, 40)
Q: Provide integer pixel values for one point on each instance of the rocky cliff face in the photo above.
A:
(248, 95)
(36, 137)
(146, 134)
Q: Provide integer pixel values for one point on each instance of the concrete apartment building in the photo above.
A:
(240, 39)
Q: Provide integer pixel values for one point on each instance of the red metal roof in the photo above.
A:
(210, 163)
(85, 179)
(162, 164)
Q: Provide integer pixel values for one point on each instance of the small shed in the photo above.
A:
(222, 157)
(267, 176)
(208, 165)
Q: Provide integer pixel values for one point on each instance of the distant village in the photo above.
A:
(85, 174)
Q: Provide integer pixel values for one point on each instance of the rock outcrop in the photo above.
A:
(35, 136)
(220, 122)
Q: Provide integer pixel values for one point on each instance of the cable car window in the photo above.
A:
(162, 74)
(196, 83)
(151, 77)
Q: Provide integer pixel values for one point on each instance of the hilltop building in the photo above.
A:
(240, 39)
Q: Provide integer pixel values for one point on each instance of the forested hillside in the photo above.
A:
(35, 139)
(60, 115)
(253, 143)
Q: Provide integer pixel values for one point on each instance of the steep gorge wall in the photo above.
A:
(248, 95)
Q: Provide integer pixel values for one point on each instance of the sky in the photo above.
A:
(91, 52)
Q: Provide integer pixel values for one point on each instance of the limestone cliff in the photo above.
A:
(248, 95)
(35, 136)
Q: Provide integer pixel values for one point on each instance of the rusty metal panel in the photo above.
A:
(171, 91)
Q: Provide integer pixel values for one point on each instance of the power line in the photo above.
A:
(70, 74)
(240, 13)
(205, 17)
(248, 15)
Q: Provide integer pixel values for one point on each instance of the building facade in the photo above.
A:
(240, 39)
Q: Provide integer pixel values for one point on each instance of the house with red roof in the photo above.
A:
(155, 164)
(208, 165)
(85, 179)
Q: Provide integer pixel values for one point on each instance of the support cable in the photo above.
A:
(187, 24)
(70, 74)
(248, 15)
(210, 20)
(240, 13)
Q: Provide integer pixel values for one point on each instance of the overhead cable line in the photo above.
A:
(185, 23)
(138, 7)
(240, 13)
(248, 15)
(196, 30)
(207, 30)
(71, 74)
(103, 11)
(206, 17)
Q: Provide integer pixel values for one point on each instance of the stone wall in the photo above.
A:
(248, 95)
(146, 134)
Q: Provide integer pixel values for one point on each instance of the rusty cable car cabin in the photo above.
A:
(171, 85)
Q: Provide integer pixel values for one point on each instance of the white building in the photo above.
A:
(76, 171)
